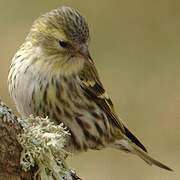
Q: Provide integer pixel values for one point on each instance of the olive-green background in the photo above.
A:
(135, 44)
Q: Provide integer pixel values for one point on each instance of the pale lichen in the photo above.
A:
(43, 146)
(6, 113)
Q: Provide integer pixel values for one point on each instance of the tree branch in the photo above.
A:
(32, 148)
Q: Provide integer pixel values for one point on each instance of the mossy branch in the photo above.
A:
(32, 148)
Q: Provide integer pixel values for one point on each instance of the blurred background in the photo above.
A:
(135, 45)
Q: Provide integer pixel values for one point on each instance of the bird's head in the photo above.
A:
(61, 37)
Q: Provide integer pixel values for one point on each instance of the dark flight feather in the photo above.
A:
(93, 88)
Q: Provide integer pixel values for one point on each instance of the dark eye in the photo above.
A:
(63, 44)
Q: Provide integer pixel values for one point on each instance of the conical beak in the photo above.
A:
(84, 51)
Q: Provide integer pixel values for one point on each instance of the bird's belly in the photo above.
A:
(87, 123)
(64, 103)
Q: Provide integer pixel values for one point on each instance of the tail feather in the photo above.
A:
(129, 146)
(143, 155)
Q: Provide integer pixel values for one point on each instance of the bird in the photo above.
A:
(53, 74)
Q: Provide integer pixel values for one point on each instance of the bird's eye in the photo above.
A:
(63, 44)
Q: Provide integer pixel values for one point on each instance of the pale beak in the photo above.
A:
(83, 51)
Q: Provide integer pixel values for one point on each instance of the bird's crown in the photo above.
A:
(65, 20)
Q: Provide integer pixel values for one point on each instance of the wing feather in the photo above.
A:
(93, 88)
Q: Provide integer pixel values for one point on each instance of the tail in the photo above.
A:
(143, 155)
(129, 146)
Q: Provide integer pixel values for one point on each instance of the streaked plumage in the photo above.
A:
(53, 75)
